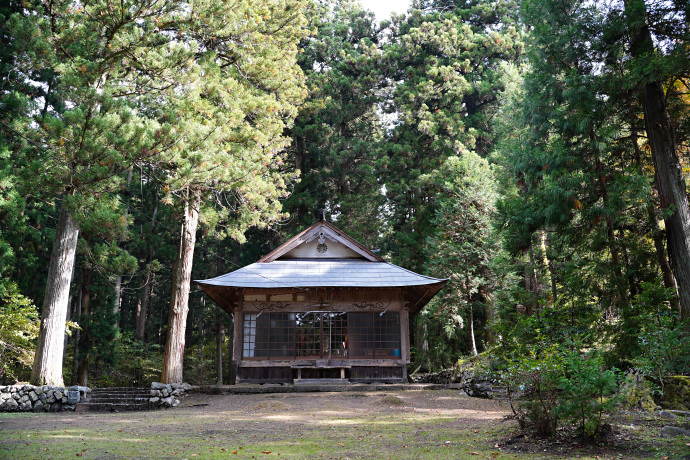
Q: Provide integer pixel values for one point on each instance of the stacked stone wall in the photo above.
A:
(166, 395)
(30, 398)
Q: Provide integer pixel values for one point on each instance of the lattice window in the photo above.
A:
(361, 335)
(282, 339)
(263, 336)
(278, 335)
(374, 335)
(308, 335)
(386, 335)
(249, 335)
(334, 335)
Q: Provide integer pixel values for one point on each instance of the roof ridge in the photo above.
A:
(297, 240)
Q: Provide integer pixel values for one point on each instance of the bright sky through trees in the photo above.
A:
(383, 8)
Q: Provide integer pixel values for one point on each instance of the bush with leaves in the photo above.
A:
(532, 384)
(558, 385)
(588, 392)
(18, 331)
(652, 339)
(550, 380)
(130, 363)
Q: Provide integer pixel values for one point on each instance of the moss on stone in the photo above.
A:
(676, 393)
(637, 395)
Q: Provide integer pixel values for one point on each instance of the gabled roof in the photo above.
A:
(325, 230)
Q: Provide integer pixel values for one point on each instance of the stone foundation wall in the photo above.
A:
(29, 398)
(167, 394)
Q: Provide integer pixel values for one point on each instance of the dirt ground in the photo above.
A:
(373, 425)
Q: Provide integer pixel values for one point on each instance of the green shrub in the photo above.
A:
(19, 325)
(587, 392)
(560, 385)
(532, 385)
(652, 340)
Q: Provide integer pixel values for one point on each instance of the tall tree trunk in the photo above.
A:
(83, 363)
(657, 234)
(179, 303)
(532, 282)
(672, 188)
(47, 367)
(667, 168)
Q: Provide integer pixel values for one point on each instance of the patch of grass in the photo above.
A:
(391, 400)
(439, 425)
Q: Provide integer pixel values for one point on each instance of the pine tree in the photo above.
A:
(113, 65)
(463, 245)
(446, 62)
(338, 131)
(228, 116)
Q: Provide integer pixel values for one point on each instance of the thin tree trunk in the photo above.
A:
(554, 285)
(179, 303)
(489, 315)
(220, 338)
(70, 315)
(117, 288)
(117, 291)
(147, 290)
(47, 367)
(77, 336)
(143, 308)
(532, 282)
(470, 317)
(548, 264)
(611, 235)
(83, 364)
(232, 370)
(633, 284)
(667, 168)
(200, 349)
(299, 153)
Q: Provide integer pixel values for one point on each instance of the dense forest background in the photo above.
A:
(533, 152)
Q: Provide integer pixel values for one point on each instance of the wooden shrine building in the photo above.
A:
(321, 306)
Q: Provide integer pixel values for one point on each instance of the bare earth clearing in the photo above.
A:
(373, 425)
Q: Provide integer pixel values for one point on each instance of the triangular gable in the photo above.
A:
(321, 241)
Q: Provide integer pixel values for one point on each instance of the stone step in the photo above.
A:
(113, 398)
(319, 381)
(116, 399)
(110, 407)
(120, 390)
(126, 399)
(121, 393)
